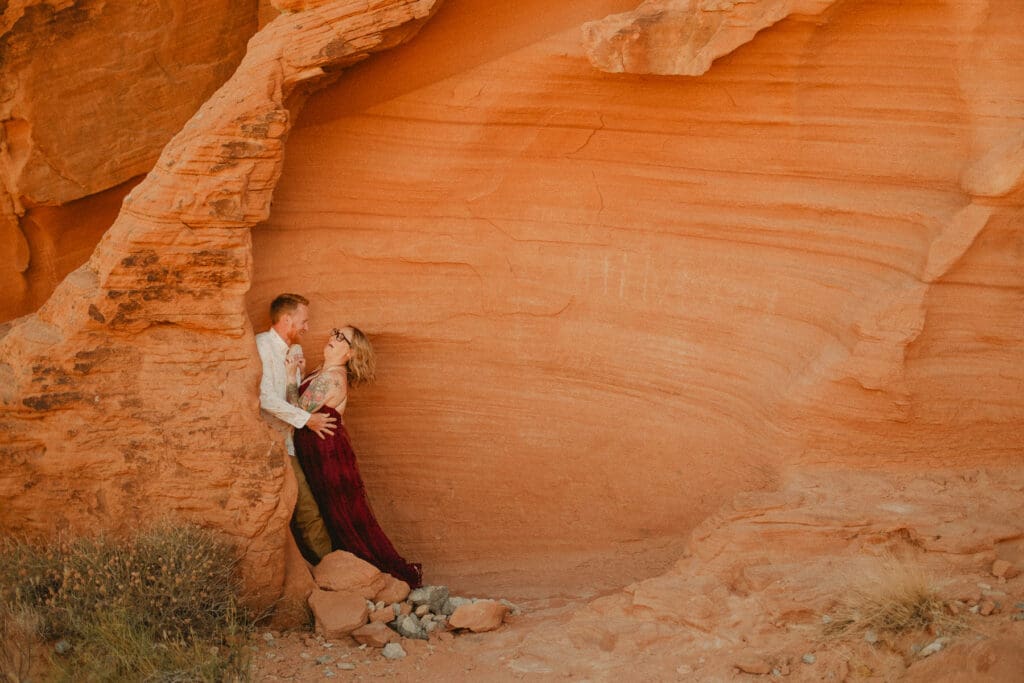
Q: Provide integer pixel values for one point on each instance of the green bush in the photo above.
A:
(161, 605)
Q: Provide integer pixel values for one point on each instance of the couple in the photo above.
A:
(331, 512)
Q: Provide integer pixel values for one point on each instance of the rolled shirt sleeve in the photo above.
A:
(274, 385)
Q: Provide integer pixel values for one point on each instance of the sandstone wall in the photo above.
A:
(131, 394)
(90, 92)
(603, 302)
(606, 302)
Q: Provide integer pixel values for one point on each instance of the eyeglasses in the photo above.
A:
(337, 334)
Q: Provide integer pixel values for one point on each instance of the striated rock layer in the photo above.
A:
(604, 303)
(683, 37)
(131, 393)
(90, 92)
(758, 578)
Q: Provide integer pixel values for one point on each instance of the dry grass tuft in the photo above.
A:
(892, 597)
(161, 605)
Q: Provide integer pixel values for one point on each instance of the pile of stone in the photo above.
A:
(354, 598)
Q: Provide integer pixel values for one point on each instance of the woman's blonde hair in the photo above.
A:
(363, 363)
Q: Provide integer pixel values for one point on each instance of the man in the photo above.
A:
(289, 320)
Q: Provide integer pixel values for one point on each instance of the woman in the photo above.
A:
(330, 463)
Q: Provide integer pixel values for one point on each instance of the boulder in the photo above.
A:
(480, 616)
(337, 614)
(394, 590)
(374, 634)
(343, 571)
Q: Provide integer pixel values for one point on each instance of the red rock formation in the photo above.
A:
(760, 575)
(90, 92)
(605, 303)
(130, 393)
(683, 37)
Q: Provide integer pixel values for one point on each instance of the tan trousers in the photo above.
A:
(307, 515)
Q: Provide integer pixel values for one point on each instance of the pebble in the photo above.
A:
(62, 647)
(434, 596)
(268, 636)
(871, 637)
(393, 651)
(808, 658)
(329, 673)
(512, 608)
(753, 666)
(932, 648)
(347, 666)
(324, 659)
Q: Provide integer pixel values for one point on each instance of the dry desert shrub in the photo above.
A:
(161, 605)
(890, 596)
(20, 641)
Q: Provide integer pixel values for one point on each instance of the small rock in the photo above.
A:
(394, 590)
(382, 616)
(754, 666)
(337, 613)
(410, 627)
(1020, 606)
(986, 608)
(1019, 616)
(484, 615)
(808, 658)
(452, 604)
(374, 635)
(393, 651)
(422, 610)
(404, 608)
(974, 609)
(62, 647)
(513, 609)
(826, 619)
(870, 636)
(324, 659)
(434, 596)
(954, 607)
(347, 666)
(776, 671)
(329, 673)
(932, 648)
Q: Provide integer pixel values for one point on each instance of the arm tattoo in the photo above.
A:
(318, 390)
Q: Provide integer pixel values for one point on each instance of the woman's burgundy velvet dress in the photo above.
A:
(333, 476)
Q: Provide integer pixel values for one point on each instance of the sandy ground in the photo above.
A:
(744, 596)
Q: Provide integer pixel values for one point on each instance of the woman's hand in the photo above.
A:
(293, 364)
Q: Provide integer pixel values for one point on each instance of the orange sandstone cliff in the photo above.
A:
(619, 263)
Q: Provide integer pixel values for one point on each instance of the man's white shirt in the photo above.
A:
(274, 405)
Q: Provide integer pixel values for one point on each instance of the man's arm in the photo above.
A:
(273, 403)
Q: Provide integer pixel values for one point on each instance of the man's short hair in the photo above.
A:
(285, 303)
